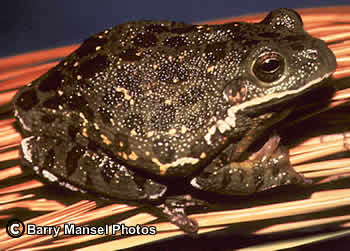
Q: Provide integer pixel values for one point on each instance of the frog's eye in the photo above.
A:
(269, 67)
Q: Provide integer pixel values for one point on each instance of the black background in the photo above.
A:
(39, 24)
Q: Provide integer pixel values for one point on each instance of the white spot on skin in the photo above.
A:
(210, 133)
(210, 69)
(105, 140)
(133, 156)
(223, 126)
(150, 134)
(225, 97)
(133, 132)
(36, 169)
(49, 176)
(84, 132)
(71, 187)
(103, 162)
(158, 195)
(183, 129)
(26, 149)
(195, 184)
(172, 132)
(27, 128)
(179, 162)
(83, 117)
(231, 122)
(125, 92)
(96, 126)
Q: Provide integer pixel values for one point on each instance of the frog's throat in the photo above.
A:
(229, 121)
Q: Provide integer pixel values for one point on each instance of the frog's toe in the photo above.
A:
(189, 226)
(266, 151)
(276, 170)
(185, 223)
(174, 210)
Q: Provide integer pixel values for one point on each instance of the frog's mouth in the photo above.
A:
(280, 100)
(274, 102)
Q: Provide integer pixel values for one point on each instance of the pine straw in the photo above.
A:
(329, 24)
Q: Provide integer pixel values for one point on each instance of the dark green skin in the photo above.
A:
(171, 101)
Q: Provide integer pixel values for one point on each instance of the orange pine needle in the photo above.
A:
(35, 57)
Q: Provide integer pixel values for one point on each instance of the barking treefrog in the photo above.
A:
(149, 102)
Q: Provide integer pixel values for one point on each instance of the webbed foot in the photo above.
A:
(174, 210)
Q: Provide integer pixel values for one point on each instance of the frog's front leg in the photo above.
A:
(265, 169)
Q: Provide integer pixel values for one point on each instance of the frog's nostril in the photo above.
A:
(312, 53)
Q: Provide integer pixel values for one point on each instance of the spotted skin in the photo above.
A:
(171, 100)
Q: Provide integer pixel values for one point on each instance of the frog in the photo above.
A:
(148, 104)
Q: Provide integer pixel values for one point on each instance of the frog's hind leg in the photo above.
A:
(265, 169)
(79, 168)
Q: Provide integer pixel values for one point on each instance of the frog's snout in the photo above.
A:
(328, 58)
(331, 59)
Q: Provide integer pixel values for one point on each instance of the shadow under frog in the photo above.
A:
(148, 104)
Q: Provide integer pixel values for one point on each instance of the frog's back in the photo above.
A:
(144, 89)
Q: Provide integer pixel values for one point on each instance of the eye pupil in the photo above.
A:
(269, 67)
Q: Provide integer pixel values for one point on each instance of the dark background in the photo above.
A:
(27, 25)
